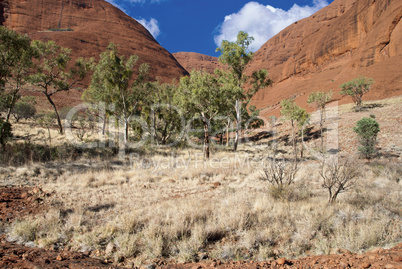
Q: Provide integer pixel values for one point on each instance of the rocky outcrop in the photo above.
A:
(347, 39)
(87, 27)
(195, 61)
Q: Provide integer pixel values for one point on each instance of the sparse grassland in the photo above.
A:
(170, 203)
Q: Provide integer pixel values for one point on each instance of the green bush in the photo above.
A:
(23, 110)
(367, 130)
(356, 88)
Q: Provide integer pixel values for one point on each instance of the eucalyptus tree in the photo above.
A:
(356, 88)
(297, 116)
(53, 72)
(121, 88)
(162, 113)
(15, 60)
(319, 100)
(236, 56)
(203, 96)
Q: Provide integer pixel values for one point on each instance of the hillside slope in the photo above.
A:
(94, 24)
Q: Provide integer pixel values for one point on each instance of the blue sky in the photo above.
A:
(200, 26)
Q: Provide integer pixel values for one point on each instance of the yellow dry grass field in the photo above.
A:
(172, 204)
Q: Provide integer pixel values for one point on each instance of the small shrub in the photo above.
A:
(26, 230)
(24, 109)
(338, 176)
(356, 88)
(280, 174)
(367, 130)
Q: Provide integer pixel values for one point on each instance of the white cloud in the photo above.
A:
(263, 22)
(152, 26)
(113, 2)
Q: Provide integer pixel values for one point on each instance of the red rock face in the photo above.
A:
(196, 61)
(347, 39)
(94, 24)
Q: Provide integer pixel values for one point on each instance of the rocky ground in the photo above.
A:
(21, 201)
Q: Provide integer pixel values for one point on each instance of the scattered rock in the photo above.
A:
(110, 248)
(24, 195)
(216, 184)
(281, 261)
(375, 250)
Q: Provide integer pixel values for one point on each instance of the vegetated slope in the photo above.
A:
(197, 61)
(344, 40)
(94, 24)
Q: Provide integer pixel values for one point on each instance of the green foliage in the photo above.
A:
(319, 99)
(235, 56)
(5, 131)
(298, 118)
(52, 72)
(24, 108)
(15, 53)
(163, 114)
(113, 83)
(15, 61)
(356, 88)
(294, 113)
(367, 130)
(202, 95)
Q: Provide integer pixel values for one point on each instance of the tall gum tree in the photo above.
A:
(236, 56)
(15, 60)
(203, 96)
(115, 82)
(52, 72)
(298, 117)
(319, 100)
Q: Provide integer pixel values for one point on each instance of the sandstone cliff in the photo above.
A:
(347, 39)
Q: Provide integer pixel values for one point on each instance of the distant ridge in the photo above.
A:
(197, 61)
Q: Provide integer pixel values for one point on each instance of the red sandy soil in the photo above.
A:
(18, 202)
